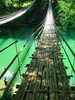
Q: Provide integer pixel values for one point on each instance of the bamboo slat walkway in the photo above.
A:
(46, 77)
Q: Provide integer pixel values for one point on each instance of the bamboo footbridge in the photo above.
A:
(45, 78)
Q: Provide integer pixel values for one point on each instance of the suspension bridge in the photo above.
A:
(46, 77)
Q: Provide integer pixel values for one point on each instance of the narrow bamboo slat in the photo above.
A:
(32, 81)
(35, 85)
(42, 84)
(59, 73)
(39, 80)
(46, 84)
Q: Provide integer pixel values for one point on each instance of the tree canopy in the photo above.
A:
(7, 6)
(66, 11)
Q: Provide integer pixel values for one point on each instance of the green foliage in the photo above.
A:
(39, 6)
(37, 13)
(7, 97)
(19, 20)
(8, 6)
(7, 2)
(1, 5)
(33, 16)
(66, 11)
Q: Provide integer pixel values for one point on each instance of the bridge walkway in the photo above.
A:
(46, 77)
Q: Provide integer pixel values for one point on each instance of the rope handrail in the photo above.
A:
(67, 44)
(66, 54)
(65, 50)
(21, 37)
(18, 58)
(65, 41)
(19, 53)
(19, 66)
(62, 28)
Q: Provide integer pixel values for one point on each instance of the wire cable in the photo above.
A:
(22, 36)
(18, 60)
(72, 66)
(62, 28)
(18, 69)
(19, 52)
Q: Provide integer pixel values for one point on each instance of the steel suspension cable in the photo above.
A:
(19, 52)
(66, 54)
(67, 44)
(72, 66)
(64, 49)
(62, 28)
(22, 36)
(18, 60)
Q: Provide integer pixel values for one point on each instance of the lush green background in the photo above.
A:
(32, 17)
(65, 12)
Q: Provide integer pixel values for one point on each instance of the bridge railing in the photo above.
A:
(72, 52)
(38, 28)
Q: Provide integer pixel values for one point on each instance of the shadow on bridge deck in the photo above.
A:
(45, 78)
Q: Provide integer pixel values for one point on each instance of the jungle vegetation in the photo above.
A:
(64, 13)
(32, 17)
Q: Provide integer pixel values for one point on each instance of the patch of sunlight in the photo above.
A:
(15, 5)
(26, 4)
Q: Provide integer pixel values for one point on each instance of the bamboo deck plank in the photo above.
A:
(35, 84)
(39, 80)
(42, 84)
